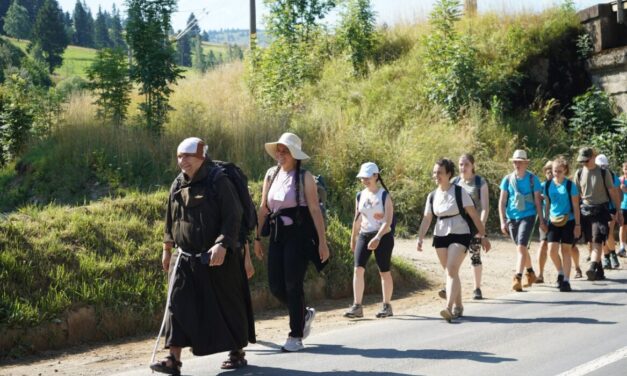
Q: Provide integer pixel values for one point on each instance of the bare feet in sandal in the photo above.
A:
(236, 360)
(169, 366)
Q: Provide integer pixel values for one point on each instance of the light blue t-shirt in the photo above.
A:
(623, 204)
(616, 184)
(559, 198)
(524, 188)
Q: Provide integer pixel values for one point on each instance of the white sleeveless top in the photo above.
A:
(371, 207)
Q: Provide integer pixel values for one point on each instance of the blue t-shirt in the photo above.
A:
(623, 204)
(524, 188)
(542, 190)
(559, 198)
(616, 184)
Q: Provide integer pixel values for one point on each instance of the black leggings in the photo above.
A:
(287, 265)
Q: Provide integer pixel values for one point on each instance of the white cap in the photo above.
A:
(290, 141)
(192, 145)
(601, 160)
(367, 170)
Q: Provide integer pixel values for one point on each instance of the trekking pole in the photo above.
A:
(167, 304)
(535, 222)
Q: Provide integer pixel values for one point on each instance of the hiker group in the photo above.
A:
(210, 214)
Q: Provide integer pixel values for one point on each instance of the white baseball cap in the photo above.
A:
(601, 160)
(367, 170)
(192, 145)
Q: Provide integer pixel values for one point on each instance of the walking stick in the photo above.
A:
(167, 304)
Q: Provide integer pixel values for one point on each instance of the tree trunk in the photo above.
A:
(470, 8)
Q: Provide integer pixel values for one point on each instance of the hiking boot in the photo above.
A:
(476, 295)
(446, 315)
(591, 273)
(622, 253)
(565, 286)
(530, 278)
(386, 311)
(356, 310)
(292, 344)
(458, 312)
(578, 273)
(560, 280)
(539, 279)
(309, 318)
(606, 262)
(516, 283)
(614, 261)
(599, 273)
(442, 293)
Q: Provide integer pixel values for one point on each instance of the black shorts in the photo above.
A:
(382, 255)
(445, 241)
(595, 228)
(624, 214)
(564, 234)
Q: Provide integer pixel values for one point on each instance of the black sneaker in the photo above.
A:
(565, 286)
(606, 262)
(560, 280)
(614, 260)
(591, 274)
(476, 295)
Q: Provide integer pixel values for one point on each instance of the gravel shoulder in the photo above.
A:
(272, 326)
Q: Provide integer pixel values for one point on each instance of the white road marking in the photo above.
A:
(597, 363)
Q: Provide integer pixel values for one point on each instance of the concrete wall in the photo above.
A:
(608, 70)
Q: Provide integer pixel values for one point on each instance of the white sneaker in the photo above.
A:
(309, 318)
(293, 344)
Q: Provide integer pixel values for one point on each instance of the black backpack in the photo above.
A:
(240, 182)
(477, 184)
(383, 198)
(460, 208)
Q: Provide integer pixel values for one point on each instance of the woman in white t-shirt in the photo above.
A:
(372, 233)
(452, 232)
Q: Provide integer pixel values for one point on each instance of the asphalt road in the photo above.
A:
(538, 332)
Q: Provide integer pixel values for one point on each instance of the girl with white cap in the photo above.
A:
(291, 216)
(372, 232)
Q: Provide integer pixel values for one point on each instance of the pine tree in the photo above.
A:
(154, 66)
(111, 84)
(17, 22)
(83, 32)
(115, 31)
(184, 51)
(192, 25)
(198, 61)
(49, 34)
(101, 34)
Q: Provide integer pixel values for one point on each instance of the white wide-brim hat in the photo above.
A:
(290, 141)
(367, 170)
(519, 155)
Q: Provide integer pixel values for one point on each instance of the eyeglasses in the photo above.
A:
(558, 171)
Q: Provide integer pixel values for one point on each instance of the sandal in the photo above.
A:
(236, 360)
(162, 366)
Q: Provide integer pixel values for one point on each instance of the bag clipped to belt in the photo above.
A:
(559, 220)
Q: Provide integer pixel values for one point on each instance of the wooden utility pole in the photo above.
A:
(470, 8)
(253, 24)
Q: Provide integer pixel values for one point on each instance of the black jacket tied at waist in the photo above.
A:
(302, 223)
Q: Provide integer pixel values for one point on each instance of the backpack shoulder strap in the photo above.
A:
(384, 197)
(455, 180)
(430, 199)
(578, 177)
(546, 189)
(569, 187)
(607, 192)
(531, 176)
(478, 185)
(458, 199)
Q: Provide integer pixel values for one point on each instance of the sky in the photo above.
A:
(223, 14)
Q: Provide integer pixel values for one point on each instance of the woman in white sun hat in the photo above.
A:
(291, 216)
(373, 232)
